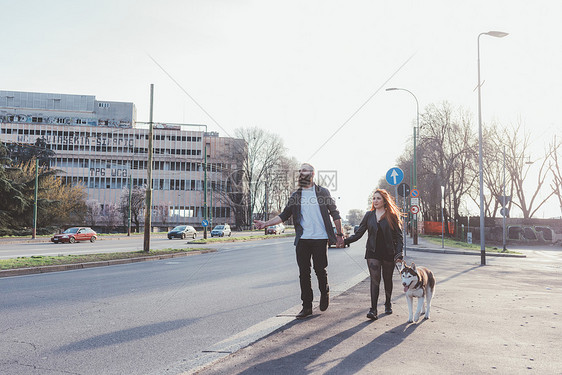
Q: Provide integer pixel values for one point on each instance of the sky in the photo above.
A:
(314, 72)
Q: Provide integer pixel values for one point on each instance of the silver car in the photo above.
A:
(221, 231)
(182, 231)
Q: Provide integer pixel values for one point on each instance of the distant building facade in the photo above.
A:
(100, 145)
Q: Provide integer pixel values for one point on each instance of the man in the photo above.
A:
(310, 207)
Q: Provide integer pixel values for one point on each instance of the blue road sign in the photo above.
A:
(205, 223)
(394, 176)
(415, 193)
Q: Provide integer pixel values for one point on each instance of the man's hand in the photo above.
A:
(340, 242)
(259, 224)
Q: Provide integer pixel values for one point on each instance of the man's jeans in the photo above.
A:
(318, 251)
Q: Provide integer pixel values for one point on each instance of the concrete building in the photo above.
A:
(100, 145)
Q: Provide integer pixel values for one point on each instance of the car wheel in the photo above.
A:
(194, 235)
(93, 239)
(230, 234)
(183, 236)
(169, 237)
(71, 240)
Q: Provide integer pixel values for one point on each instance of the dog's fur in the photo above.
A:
(418, 282)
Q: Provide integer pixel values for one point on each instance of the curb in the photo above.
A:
(77, 266)
(464, 252)
(234, 239)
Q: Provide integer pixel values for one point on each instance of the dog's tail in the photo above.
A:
(431, 282)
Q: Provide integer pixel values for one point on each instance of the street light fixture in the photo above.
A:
(496, 34)
(415, 178)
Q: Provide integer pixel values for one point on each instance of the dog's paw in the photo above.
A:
(416, 317)
(426, 317)
(410, 321)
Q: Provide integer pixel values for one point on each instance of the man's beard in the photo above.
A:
(304, 180)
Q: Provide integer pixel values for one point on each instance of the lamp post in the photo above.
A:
(496, 34)
(415, 166)
(503, 203)
(148, 202)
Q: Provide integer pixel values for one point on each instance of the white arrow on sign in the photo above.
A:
(394, 174)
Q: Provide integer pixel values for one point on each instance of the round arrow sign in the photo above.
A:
(394, 176)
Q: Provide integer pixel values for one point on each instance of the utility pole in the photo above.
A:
(148, 203)
(34, 233)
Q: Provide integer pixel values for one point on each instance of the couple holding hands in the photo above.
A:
(311, 207)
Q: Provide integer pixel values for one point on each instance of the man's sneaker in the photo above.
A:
(324, 301)
(304, 313)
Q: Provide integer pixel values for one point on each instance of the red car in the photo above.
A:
(76, 234)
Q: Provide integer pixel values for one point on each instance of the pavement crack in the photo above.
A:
(35, 367)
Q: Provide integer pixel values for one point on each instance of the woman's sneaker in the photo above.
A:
(372, 314)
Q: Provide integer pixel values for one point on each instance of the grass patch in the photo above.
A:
(237, 239)
(38, 260)
(450, 242)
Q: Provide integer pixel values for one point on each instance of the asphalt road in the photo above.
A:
(147, 317)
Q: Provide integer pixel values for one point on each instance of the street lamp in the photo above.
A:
(415, 179)
(496, 34)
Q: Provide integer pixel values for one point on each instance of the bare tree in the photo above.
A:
(518, 165)
(354, 216)
(492, 171)
(446, 153)
(282, 181)
(232, 192)
(263, 152)
(93, 211)
(555, 166)
(137, 204)
(112, 216)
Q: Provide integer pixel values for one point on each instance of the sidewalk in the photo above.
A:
(502, 318)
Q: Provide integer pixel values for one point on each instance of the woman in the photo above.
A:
(384, 246)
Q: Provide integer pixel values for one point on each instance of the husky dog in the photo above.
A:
(418, 282)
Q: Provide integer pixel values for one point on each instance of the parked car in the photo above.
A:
(76, 234)
(182, 231)
(275, 229)
(221, 231)
(336, 232)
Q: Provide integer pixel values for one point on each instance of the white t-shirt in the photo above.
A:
(311, 221)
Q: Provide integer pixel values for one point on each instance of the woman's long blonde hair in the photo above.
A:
(394, 215)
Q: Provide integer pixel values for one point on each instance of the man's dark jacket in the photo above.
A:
(327, 207)
(392, 237)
